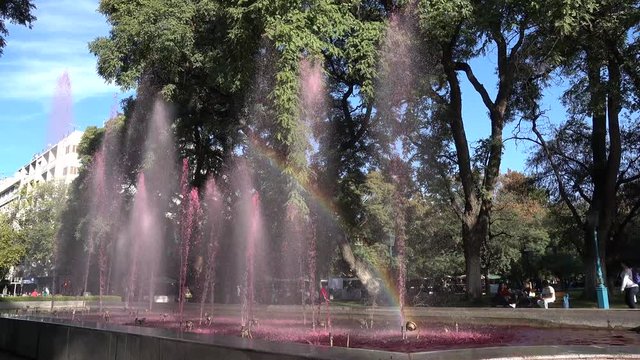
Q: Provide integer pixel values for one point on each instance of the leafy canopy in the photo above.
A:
(16, 12)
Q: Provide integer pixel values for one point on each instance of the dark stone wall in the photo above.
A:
(40, 340)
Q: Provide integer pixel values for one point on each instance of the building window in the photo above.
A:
(67, 149)
(64, 172)
(73, 149)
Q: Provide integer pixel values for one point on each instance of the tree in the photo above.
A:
(463, 30)
(209, 72)
(16, 12)
(518, 228)
(591, 163)
(37, 217)
(11, 245)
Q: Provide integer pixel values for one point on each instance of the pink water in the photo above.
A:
(252, 239)
(429, 336)
(96, 208)
(139, 213)
(61, 121)
(214, 217)
(312, 86)
(311, 270)
(190, 205)
(100, 199)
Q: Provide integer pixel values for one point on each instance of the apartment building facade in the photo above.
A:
(59, 162)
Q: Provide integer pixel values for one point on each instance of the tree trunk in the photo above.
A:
(474, 232)
(471, 239)
(605, 105)
(589, 261)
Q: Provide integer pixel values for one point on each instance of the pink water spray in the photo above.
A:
(139, 200)
(61, 121)
(190, 206)
(252, 238)
(214, 216)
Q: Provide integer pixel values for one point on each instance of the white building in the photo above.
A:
(58, 162)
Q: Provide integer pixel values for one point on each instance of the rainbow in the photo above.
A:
(388, 284)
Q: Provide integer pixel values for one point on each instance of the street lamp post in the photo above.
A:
(601, 289)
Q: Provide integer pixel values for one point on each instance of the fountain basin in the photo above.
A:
(38, 338)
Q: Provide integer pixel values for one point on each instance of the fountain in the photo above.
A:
(232, 242)
(140, 222)
(189, 209)
(215, 215)
(61, 121)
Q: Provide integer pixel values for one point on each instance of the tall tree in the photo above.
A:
(204, 70)
(594, 161)
(210, 71)
(464, 30)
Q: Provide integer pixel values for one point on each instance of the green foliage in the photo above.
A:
(231, 71)
(443, 18)
(563, 265)
(12, 247)
(434, 241)
(571, 15)
(432, 231)
(519, 226)
(89, 144)
(37, 218)
(16, 12)
(161, 28)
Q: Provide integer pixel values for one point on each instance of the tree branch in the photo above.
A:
(518, 44)
(583, 195)
(457, 208)
(515, 137)
(628, 180)
(633, 213)
(556, 173)
(573, 160)
(632, 73)
(461, 66)
(501, 233)
(623, 173)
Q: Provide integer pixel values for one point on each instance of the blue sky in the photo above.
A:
(32, 62)
(476, 118)
(35, 58)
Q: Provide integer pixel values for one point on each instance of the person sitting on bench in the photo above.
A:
(547, 296)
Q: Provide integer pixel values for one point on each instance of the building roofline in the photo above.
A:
(51, 146)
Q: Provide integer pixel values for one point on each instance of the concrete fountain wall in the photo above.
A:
(33, 338)
(63, 340)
